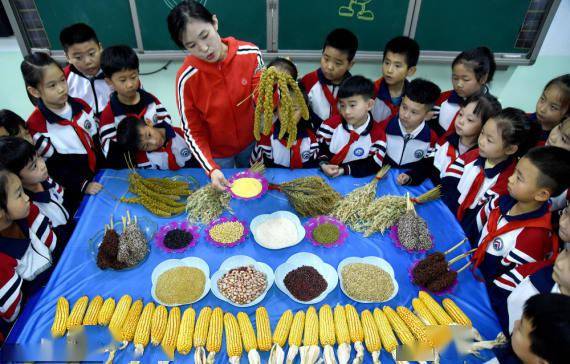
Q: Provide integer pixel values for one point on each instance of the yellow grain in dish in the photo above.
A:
(246, 187)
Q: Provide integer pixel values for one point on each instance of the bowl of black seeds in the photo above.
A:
(177, 236)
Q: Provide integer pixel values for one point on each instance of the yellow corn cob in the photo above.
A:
(142, 333)
(215, 331)
(186, 332)
(59, 326)
(93, 309)
(354, 324)
(399, 327)
(416, 326)
(371, 337)
(119, 316)
(385, 330)
(233, 339)
(246, 331)
(326, 326)
(171, 334)
(130, 324)
(202, 324)
(297, 328)
(263, 329)
(436, 310)
(423, 313)
(311, 332)
(341, 326)
(456, 313)
(282, 329)
(158, 325)
(106, 312)
(77, 312)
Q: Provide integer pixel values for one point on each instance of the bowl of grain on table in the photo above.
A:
(367, 279)
(177, 282)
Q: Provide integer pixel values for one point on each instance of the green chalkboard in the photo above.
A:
(111, 19)
(242, 20)
(452, 25)
(304, 24)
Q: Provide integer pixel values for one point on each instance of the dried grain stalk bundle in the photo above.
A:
(161, 196)
(310, 196)
(385, 211)
(289, 96)
(413, 232)
(351, 207)
(207, 203)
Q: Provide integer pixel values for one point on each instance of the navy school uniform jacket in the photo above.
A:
(173, 155)
(24, 260)
(273, 152)
(543, 134)
(365, 156)
(50, 202)
(384, 106)
(93, 90)
(445, 110)
(407, 150)
(66, 152)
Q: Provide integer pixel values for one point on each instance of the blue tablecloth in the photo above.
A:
(77, 274)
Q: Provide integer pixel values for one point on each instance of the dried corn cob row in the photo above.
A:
(158, 325)
(327, 334)
(59, 326)
(171, 334)
(263, 329)
(119, 316)
(436, 310)
(280, 335)
(215, 332)
(130, 326)
(399, 327)
(416, 326)
(423, 313)
(295, 336)
(142, 332)
(106, 312)
(201, 334)
(77, 312)
(371, 336)
(233, 338)
(342, 334)
(186, 332)
(460, 317)
(90, 318)
(355, 331)
(248, 338)
(385, 331)
(310, 350)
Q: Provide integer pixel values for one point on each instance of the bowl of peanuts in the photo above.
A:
(226, 232)
(242, 281)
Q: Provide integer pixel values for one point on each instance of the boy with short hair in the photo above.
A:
(399, 61)
(408, 137)
(11, 124)
(322, 85)
(159, 146)
(516, 238)
(120, 65)
(352, 143)
(84, 75)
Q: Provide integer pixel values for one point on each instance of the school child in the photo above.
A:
(62, 127)
(26, 249)
(84, 76)
(408, 137)
(559, 136)
(11, 124)
(272, 150)
(470, 120)
(154, 146)
(399, 61)
(472, 71)
(120, 65)
(552, 106)
(322, 85)
(352, 143)
(477, 176)
(516, 238)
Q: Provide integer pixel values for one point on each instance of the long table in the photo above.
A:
(77, 274)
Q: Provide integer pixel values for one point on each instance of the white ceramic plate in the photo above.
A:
(240, 261)
(300, 259)
(193, 262)
(258, 220)
(379, 262)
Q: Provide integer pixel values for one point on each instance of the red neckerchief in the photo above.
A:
(472, 194)
(339, 157)
(85, 139)
(331, 99)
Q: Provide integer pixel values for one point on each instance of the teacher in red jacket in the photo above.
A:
(213, 90)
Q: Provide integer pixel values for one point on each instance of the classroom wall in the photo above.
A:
(518, 86)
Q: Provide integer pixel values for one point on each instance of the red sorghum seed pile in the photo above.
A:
(305, 283)
(108, 250)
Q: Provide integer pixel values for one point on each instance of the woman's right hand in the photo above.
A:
(219, 181)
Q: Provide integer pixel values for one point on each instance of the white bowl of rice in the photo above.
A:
(279, 230)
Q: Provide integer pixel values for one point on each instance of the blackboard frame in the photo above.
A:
(272, 32)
